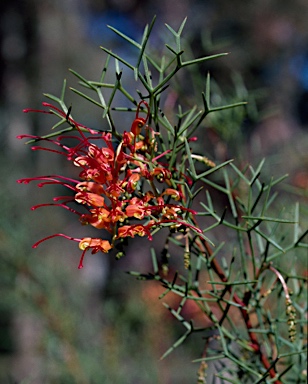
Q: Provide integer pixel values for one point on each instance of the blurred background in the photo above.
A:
(99, 325)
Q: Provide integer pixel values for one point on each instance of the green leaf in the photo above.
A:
(257, 172)
(212, 184)
(270, 240)
(59, 101)
(166, 123)
(230, 195)
(215, 253)
(86, 97)
(82, 79)
(173, 50)
(63, 91)
(190, 160)
(296, 221)
(125, 37)
(209, 201)
(189, 120)
(171, 30)
(240, 173)
(272, 219)
(175, 345)
(145, 39)
(182, 27)
(208, 93)
(104, 71)
(210, 358)
(214, 169)
(118, 58)
(154, 261)
(182, 338)
(147, 72)
(223, 107)
(202, 59)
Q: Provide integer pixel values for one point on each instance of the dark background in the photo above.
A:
(61, 325)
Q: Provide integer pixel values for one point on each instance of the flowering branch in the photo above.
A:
(137, 181)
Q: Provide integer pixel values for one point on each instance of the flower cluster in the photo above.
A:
(117, 188)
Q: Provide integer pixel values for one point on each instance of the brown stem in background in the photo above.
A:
(243, 305)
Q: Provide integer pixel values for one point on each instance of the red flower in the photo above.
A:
(99, 218)
(176, 195)
(111, 182)
(136, 208)
(88, 198)
(132, 230)
(96, 245)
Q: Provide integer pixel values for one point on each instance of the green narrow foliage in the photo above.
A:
(125, 37)
(201, 60)
(87, 97)
(145, 39)
(256, 173)
(230, 194)
(212, 170)
(271, 219)
(296, 223)
(83, 80)
(117, 57)
(63, 90)
(190, 161)
(154, 261)
(240, 277)
(104, 71)
(56, 99)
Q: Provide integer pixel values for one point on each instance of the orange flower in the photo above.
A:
(96, 244)
(117, 214)
(135, 211)
(98, 175)
(170, 212)
(90, 186)
(92, 199)
(114, 191)
(136, 208)
(162, 174)
(137, 125)
(132, 230)
(101, 155)
(114, 185)
(98, 218)
(132, 182)
(173, 193)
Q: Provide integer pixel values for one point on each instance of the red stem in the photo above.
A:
(252, 335)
